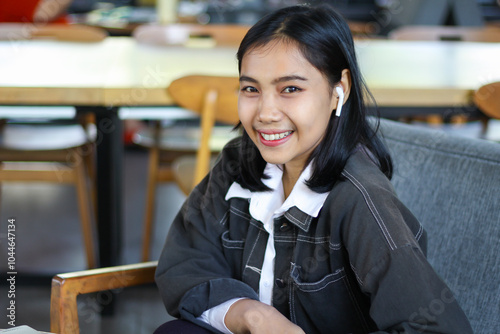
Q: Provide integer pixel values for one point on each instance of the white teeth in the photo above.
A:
(275, 136)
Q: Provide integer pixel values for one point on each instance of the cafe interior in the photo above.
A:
(104, 135)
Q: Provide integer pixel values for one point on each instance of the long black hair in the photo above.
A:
(324, 38)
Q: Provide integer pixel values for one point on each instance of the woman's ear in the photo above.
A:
(345, 85)
(345, 82)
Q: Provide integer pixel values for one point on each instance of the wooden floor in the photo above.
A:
(48, 241)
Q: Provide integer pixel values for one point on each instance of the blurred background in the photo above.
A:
(48, 213)
(380, 15)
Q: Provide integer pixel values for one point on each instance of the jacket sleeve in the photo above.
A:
(406, 294)
(193, 274)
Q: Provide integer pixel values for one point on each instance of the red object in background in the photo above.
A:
(22, 11)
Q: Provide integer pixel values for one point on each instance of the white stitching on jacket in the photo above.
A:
(372, 208)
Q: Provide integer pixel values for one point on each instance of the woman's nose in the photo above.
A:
(268, 110)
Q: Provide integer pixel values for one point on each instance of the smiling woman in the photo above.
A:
(297, 228)
(325, 46)
(285, 107)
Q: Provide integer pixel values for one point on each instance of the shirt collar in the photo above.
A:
(265, 205)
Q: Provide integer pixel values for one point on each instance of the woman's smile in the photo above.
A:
(274, 138)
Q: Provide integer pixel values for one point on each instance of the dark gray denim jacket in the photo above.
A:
(359, 267)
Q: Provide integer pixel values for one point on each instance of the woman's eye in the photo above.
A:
(291, 89)
(249, 89)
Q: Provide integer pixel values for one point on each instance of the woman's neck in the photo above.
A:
(289, 178)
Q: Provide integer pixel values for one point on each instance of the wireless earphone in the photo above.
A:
(340, 91)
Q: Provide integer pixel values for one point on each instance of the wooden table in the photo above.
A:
(102, 77)
(118, 71)
(427, 74)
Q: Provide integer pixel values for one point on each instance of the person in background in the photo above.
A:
(34, 11)
(297, 228)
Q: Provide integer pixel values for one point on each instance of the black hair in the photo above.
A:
(324, 39)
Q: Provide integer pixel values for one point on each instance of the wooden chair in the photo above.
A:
(446, 33)
(55, 31)
(166, 144)
(423, 158)
(54, 153)
(487, 99)
(215, 99)
(38, 148)
(191, 34)
(363, 30)
(67, 287)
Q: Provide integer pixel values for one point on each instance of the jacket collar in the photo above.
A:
(301, 206)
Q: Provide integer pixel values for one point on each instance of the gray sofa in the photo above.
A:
(452, 185)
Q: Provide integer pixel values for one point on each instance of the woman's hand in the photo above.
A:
(251, 316)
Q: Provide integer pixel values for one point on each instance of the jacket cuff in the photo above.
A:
(213, 293)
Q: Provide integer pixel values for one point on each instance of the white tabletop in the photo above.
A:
(435, 73)
(116, 71)
(120, 72)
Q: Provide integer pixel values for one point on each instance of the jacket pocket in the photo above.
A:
(312, 287)
(326, 305)
(233, 252)
(228, 243)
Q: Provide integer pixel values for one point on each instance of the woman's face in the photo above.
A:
(285, 103)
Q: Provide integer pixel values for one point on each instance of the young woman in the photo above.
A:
(297, 228)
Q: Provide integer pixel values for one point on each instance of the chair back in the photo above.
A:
(446, 33)
(452, 185)
(183, 33)
(54, 31)
(487, 99)
(215, 98)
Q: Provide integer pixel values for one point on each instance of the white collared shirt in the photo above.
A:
(264, 207)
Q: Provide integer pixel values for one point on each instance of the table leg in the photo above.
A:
(109, 145)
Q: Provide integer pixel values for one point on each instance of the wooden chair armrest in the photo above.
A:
(67, 287)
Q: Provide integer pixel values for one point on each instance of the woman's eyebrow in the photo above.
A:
(277, 80)
(288, 78)
(245, 78)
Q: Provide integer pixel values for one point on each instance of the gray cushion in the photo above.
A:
(452, 185)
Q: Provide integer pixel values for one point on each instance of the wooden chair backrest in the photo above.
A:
(61, 32)
(182, 33)
(363, 31)
(446, 33)
(215, 98)
(487, 99)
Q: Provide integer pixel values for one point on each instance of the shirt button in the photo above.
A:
(266, 284)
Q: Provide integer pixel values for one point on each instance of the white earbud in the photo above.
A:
(340, 91)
